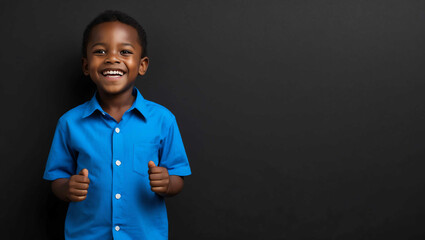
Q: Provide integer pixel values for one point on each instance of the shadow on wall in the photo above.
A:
(56, 212)
(68, 85)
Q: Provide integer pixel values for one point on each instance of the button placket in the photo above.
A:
(117, 172)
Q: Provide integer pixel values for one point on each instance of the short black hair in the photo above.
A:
(112, 16)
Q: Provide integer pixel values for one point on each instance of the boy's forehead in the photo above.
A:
(116, 31)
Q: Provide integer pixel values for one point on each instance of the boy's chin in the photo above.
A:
(113, 90)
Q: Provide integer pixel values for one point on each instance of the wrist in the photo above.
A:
(167, 193)
(60, 188)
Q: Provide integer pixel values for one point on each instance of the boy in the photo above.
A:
(116, 157)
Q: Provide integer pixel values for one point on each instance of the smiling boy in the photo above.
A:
(116, 157)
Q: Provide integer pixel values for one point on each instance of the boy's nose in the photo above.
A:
(112, 58)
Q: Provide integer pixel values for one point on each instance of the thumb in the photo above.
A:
(84, 172)
(151, 164)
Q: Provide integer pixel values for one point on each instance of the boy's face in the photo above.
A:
(114, 57)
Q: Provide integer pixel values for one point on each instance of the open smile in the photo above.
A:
(113, 73)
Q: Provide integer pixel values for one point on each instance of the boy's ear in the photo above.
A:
(144, 63)
(85, 66)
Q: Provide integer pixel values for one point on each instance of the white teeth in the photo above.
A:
(112, 72)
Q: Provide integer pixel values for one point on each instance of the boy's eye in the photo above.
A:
(99, 51)
(124, 52)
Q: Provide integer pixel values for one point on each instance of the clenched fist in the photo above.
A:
(78, 186)
(159, 179)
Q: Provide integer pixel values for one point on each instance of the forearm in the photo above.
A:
(175, 186)
(60, 188)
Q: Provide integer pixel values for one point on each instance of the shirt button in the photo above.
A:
(117, 196)
(117, 228)
(118, 162)
(117, 130)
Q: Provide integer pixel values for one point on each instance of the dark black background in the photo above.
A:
(301, 119)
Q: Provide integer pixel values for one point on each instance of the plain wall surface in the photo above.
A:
(301, 119)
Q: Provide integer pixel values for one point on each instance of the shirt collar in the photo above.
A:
(94, 105)
(139, 103)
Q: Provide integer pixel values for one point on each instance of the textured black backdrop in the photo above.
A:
(301, 119)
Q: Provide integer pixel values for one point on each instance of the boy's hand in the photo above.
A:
(159, 179)
(78, 186)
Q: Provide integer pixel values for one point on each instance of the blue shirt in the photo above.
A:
(119, 203)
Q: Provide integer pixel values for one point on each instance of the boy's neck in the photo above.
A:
(116, 104)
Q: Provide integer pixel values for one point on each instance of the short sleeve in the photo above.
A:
(173, 155)
(60, 163)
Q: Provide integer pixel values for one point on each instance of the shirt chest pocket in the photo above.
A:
(142, 154)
